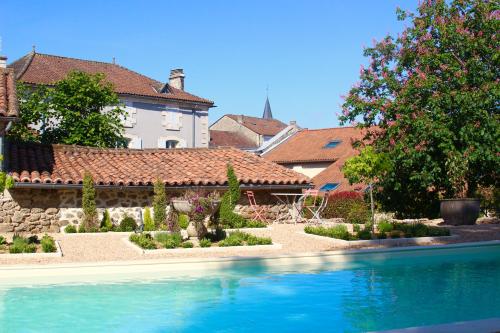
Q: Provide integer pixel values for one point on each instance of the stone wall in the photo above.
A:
(48, 210)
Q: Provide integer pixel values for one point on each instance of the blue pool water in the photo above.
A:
(379, 292)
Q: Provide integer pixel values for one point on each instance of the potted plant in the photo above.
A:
(458, 210)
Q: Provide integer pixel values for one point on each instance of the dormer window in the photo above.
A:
(332, 144)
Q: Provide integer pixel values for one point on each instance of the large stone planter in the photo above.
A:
(182, 206)
(460, 211)
(196, 230)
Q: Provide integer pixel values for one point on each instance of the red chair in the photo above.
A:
(257, 210)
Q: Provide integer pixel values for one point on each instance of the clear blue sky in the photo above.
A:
(308, 52)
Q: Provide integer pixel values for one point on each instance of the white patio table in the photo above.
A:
(292, 201)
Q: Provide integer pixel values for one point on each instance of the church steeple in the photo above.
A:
(267, 110)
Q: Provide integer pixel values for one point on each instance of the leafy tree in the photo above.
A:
(367, 167)
(89, 222)
(81, 109)
(433, 92)
(106, 223)
(159, 204)
(149, 224)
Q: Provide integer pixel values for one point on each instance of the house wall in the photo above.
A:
(308, 169)
(228, 124)
(147, 124)
(48, 210)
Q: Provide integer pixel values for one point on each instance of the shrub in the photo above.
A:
(204, 242)
(183, 221)
(365, 234)
(187, 245)
(22, 245)
(106, 223)
(231, 240)
(254, 240)
(347, 205)
(385, 226)
(255, 224)
(2, 240)
(420, 230)
(128, 224)
(169, 241)
(70, 229)
(144, 240)
(229, 200)
(159, 204)
(216, 236)
(89, 222)
(338, 231)
(149, 224)
(395, 234)
(48, 244)
(356, 228)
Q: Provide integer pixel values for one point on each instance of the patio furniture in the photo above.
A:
(257, 211)
(313, 206)
(293, 202)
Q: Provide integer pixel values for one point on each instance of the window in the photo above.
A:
(172, 120)
(332, 144)
(171, 144)
(133, 141)
(329, 187)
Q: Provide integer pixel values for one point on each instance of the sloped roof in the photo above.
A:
(8, 98)
(62, 164)
(44, 69)
(267, 110)
(308, 146)
(259, 125)
(333, 174)
(230, 139)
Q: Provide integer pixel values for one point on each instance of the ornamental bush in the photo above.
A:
(89, 222)
(128, 224)
(159, 204)
(229, 200)
(48, 244)
(149, 224)
(106, 223)
(347, 205)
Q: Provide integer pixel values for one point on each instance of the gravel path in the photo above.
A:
(110, 246)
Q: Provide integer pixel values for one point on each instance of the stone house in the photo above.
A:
(245, 132)
(159, 114)
(320, 155)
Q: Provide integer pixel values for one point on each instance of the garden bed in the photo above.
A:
(26, 247)
(386, 234)
(220, 240)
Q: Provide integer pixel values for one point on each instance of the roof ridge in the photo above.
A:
(328, 128)
(30, 57)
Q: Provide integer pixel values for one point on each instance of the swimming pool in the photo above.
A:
(374, 291)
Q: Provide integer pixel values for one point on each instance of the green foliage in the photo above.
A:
(106, 223)
(144, 240)
(71, 112)
(356, 228)
(6, 181)
(367, 166)
(229, 200)
(70, 229)
(395, 234)
(22, 245)
(364, 234)
(217, 235)
(128, 224)
(338, 231)
(433, 92)
(187, 245)
(239, 238)
(48, 244)
(159, 204)
(352, 208)
(255, 224)
(2, 240)
(149, 224)
(183, 221)
(384, 226)
(89, 221)
(169, 241)
(205, 242)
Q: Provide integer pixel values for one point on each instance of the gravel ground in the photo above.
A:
(110, 246)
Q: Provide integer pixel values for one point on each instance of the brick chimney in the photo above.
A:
(3, 61)
(176, 79)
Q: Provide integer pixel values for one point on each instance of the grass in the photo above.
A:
(247, 224)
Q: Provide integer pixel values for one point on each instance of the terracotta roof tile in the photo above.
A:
(37, 68)
(309, 145)
(259, 125)
(62, 164)
(8, 98)
(230, 139)
(334, 174)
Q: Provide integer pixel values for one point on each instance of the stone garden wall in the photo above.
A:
(47, 210)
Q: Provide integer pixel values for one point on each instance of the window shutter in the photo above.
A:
(171, 120)
(135, 143)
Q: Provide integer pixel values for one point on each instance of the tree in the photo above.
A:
(149, 224)
(229, 200)
(433, 92)
(89, 222)
(106, 223)
(367, 168)
(81, 109)
(159, 204)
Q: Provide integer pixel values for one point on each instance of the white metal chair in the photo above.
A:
(313, 207)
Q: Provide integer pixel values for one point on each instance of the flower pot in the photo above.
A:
(182, 206)
(460, 211)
